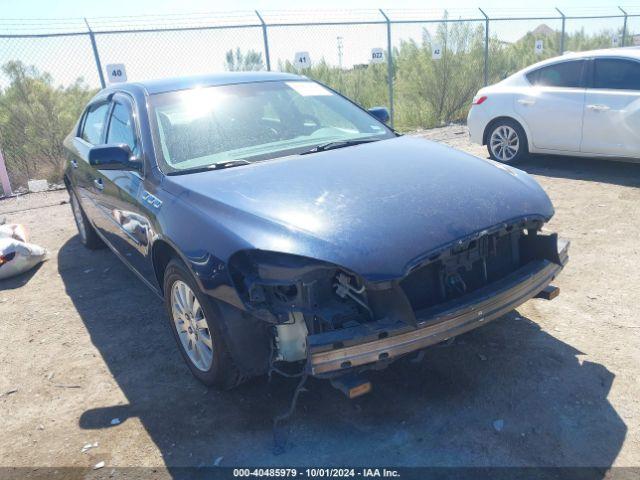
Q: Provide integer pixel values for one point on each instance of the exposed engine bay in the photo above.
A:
(307, 300)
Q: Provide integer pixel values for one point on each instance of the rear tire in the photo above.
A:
(507, 141)
(195, 322)
(88, 235)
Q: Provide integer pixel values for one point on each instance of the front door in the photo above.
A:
(612, 109)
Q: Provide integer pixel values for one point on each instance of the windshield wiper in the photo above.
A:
(338, 144)
(215, 166)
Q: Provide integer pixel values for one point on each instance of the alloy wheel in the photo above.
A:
(192, 327)
(504, 143)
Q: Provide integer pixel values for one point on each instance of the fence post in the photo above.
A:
(4, 177)
(562, 33)
(95, 54)
(265, 38)
(486, 47)
(389, 66)
(624, 26)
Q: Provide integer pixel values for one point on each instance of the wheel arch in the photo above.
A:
(162, 252)
(513, 118)
(247, 338)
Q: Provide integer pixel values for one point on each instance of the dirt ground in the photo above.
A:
(83, 342)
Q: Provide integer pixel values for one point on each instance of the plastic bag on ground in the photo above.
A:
(16, 255)
(13, 230)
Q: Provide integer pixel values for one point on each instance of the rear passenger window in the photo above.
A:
(94, 123)
(565, 74)
(616, 74)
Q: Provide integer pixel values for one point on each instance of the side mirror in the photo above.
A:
(381, 113)
(113, 157)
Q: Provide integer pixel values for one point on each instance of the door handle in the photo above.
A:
(74, 163)
(525, 101)
(598, 108)
(99, 184)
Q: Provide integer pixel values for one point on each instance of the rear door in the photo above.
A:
(552, 107)
(122, 220)
(612, 108)
(90, 132)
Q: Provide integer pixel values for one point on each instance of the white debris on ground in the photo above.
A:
(89, 446)
(16, 254)
(35, 186)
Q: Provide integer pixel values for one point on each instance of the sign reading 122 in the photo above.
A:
(377, 55)
(116, 73)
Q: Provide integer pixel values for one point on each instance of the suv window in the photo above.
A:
(121, 129)
(617, 74)
(564, 74)
(94, 123)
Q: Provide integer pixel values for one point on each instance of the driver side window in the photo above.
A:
(121, 127)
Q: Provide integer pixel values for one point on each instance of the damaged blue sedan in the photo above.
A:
(286, 228)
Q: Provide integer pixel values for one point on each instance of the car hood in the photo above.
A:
(373, 208)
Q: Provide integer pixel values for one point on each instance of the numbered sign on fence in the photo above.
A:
(436, 51)
(302, 60)
(116, 73)
(377, 55)
(539, 48)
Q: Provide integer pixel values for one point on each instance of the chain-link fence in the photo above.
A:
(425, 65)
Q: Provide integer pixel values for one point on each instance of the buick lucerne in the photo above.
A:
(286, 227)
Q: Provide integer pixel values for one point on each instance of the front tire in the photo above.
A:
(88, 235)
(195, 322)
(507, 142)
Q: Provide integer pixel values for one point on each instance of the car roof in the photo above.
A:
(628, 52)
(184, 83)
(631, 52)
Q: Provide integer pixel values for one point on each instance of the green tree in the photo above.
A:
(433, 92)
(237, 61)
(35, 117)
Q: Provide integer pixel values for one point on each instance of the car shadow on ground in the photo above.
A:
(508, 394)
(588, 169)
(20, 280)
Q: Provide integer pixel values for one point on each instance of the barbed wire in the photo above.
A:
(72, 25)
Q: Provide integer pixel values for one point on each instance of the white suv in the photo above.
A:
(581, 104)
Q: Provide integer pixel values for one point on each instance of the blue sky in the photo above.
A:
(158, 54)
(92, 8)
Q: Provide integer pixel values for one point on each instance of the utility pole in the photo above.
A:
(4, 178)
(96, 56)
(486, 47)
(562, 34)
(340, 48)
(624, 27)
(265, 39)
(389, 65)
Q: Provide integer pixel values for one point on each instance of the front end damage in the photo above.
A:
(335, 321)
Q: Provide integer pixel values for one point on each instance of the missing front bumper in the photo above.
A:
(340, 350)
